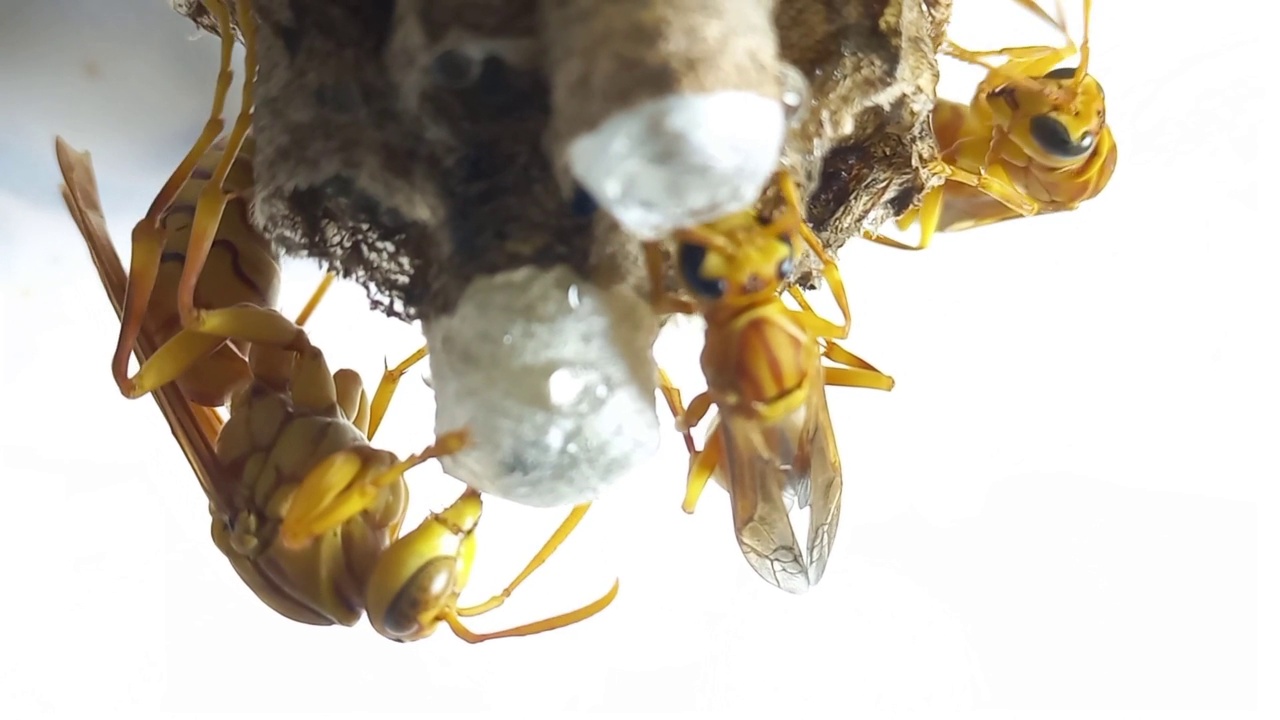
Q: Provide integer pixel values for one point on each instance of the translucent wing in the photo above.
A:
(195, 428)
(771, 471)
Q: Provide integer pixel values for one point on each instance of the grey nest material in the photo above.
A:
(403, 143)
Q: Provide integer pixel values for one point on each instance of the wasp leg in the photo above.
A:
(417, 580)
(387, 387)
(697, 410)
(994, 181)
(702, 463)
(701, 467)
(190, 345)
(213, 197)
(148, 238)
(314, 301)
(836, 353)
(249, 323)
(816, 324)
(928, 214)
(813, 323)
(349, 481)
(853, 371)
(674, 401)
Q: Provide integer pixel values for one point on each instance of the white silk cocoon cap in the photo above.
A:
(555, 380)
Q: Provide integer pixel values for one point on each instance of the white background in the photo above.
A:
(1066, 505)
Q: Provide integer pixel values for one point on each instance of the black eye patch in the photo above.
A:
(1054, 137)
(689, 260)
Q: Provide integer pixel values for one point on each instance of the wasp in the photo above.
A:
(306, 510)
(1034, 139)
(771, 445)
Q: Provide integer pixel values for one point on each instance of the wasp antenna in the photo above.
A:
(1083, 68)
(1060, 14)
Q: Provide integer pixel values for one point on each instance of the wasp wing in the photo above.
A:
(771, 470)
(195, 428)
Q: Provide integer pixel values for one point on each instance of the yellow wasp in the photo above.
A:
(1034, 139)
(772, 446)
(305, 509)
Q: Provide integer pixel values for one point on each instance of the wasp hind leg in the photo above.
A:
(148, 237)
(702, 463)
(213, 197)
(926, 216)
(814, 323)
(852, 371)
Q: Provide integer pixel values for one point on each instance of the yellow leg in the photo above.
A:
(927, 216)
(838, 354)
(347, 483)
(813, 323)
(249, 323)
(831, 273)
(1059, 22)
(701, 467)
(701, 463)
(213, 197)
(191, 345)
(857, 372)
(1019, 53)
(930, 215)
(171, 360)
(148, 238)
(316, 296)
(387, 388)
(559, 621)
(856, 377)
(698, 409)
(674, 401)
(994, 182)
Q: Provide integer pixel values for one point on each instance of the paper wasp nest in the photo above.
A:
(411, 145)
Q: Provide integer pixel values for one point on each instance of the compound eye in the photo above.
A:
(1062, 73)
(1054, 137)
(690, 261)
